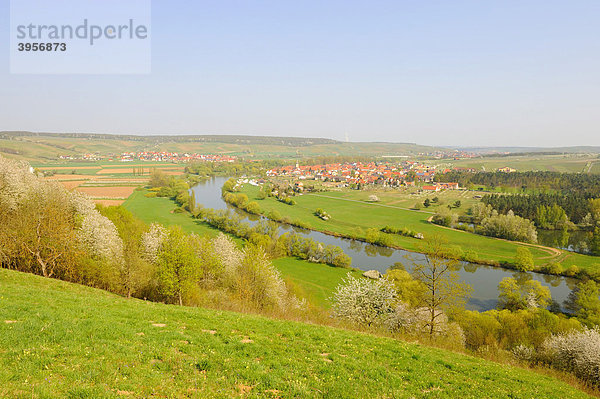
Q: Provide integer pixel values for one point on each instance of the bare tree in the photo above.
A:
(444, 290)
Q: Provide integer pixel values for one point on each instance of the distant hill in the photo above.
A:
(540, 150)
(236, 139)
(40, 147)
(64, 340)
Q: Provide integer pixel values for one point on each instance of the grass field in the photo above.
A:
(160, 210)
(316, 281)
(64, 340)
(349, 212)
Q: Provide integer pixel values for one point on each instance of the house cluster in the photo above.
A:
(386, 174)
(163, 156)
(441, 186)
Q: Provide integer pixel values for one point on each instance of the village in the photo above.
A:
(358, 175)
(154, 156)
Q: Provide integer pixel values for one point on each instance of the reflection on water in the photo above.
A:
(575, 241)
(483, 279)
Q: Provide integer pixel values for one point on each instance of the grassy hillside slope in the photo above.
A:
(63, 340)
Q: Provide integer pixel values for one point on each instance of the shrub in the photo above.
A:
(274, 215)
(287, 200)
(510, 227)
(445, 217)
(401, 231)
(523, 353)
(320, 212)
(577, 352)
(572, 271)
(514, 295)
(253, 208)
(471, 256)
(364, 301)
(584, 301)
(552, 268)
(524, 259)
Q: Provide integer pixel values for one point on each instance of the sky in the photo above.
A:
(464, 73)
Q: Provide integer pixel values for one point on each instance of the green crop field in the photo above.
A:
(63, 340)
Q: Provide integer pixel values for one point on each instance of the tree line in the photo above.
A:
(548, 209)
(564, 183)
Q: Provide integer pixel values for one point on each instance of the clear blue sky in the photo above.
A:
(433, 72)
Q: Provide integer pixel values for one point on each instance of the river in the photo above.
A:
(483, 279)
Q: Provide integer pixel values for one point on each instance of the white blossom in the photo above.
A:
(364, 301)
(152, 240)
(577, 352)
(16, 183)
(97, 232)
(228, 252)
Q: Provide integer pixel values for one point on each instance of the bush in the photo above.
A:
(523, 353)
(287, 200)
(253, 208)
(471, 256)
(510, 227)
(552, 268)
(516, 296)
(364, 301)
(524, 259)
(319, 212)
(577, 352)
(274, 215)
(445, 217)
(401, 231)
(572, 271)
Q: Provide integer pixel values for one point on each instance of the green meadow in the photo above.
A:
(347, 216)
(314, 281)
(62, 340)
(351, 215)
(162, 210)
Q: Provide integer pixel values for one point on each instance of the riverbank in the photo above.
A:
(352, 218)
